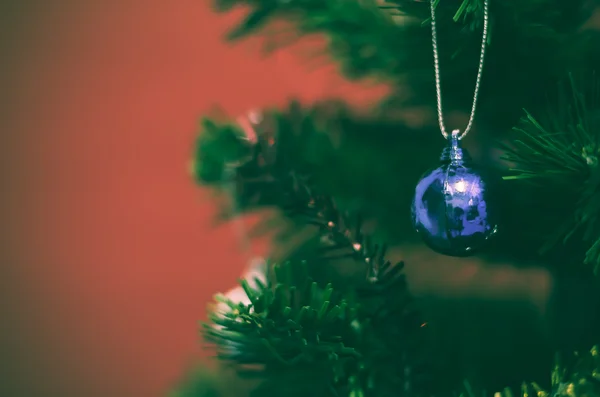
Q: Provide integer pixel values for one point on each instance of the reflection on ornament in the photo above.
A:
(460, 186)
(450, 209)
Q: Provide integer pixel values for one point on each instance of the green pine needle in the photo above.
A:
(315, 325)
(334, 341)
(579, 377)
(222, 144)
(561, 152)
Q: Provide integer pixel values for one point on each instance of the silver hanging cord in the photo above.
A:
(436, 63)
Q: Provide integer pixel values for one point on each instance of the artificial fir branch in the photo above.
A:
(294, 328)
(393, 45)
(573, 375)
(579, 376)
(559, 154)
(288, 320)
(295, 162)
(307, 334)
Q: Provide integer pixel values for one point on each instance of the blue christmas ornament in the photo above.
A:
(450, 208)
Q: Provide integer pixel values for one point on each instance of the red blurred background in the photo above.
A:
(107, 254)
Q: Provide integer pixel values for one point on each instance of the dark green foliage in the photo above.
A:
(577, 375)
(351, 164)
(312, 329)
(303, 339)
(328, 153)
(560, 155)
(269, 173)
(221, 146)
(532, 44)
(291, 320)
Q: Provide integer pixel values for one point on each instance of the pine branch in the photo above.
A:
(531, 44)
(560, 155)
(576, 376)
(325, 149)
(301, 179)
(323, 338)
(347, 23)
(294, 325)
(579, 376)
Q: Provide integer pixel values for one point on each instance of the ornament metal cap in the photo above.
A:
(453, 153)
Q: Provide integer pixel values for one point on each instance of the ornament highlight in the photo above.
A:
(450, 207)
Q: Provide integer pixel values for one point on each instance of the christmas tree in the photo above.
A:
(375, 287)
